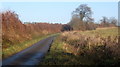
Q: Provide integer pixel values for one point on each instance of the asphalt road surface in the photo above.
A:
(31, 55)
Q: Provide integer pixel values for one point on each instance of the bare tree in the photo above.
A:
(113, 20)
(104, 21)
(108, 22)
(83, 12)
(82, 18)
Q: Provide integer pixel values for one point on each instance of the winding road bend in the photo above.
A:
(31, 55)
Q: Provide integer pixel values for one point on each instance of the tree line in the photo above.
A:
(82, 20)
(15, 31)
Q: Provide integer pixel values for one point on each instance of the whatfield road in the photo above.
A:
(31, 55)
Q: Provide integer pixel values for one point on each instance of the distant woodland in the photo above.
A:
(82, 20)
(14, 31)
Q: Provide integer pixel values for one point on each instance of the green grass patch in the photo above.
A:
(103, 32)
(19, 47)
(58, 56)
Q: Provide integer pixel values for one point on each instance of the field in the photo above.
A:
(95, 47)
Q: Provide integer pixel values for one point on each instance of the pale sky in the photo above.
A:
(58, 12)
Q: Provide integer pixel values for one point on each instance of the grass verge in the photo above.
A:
(58, 56)
(19, 47)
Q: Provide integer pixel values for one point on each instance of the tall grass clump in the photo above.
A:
(100, 45)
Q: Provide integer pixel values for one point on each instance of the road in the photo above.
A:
(31, 55)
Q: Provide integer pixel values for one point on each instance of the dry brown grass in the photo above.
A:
(101, 47)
